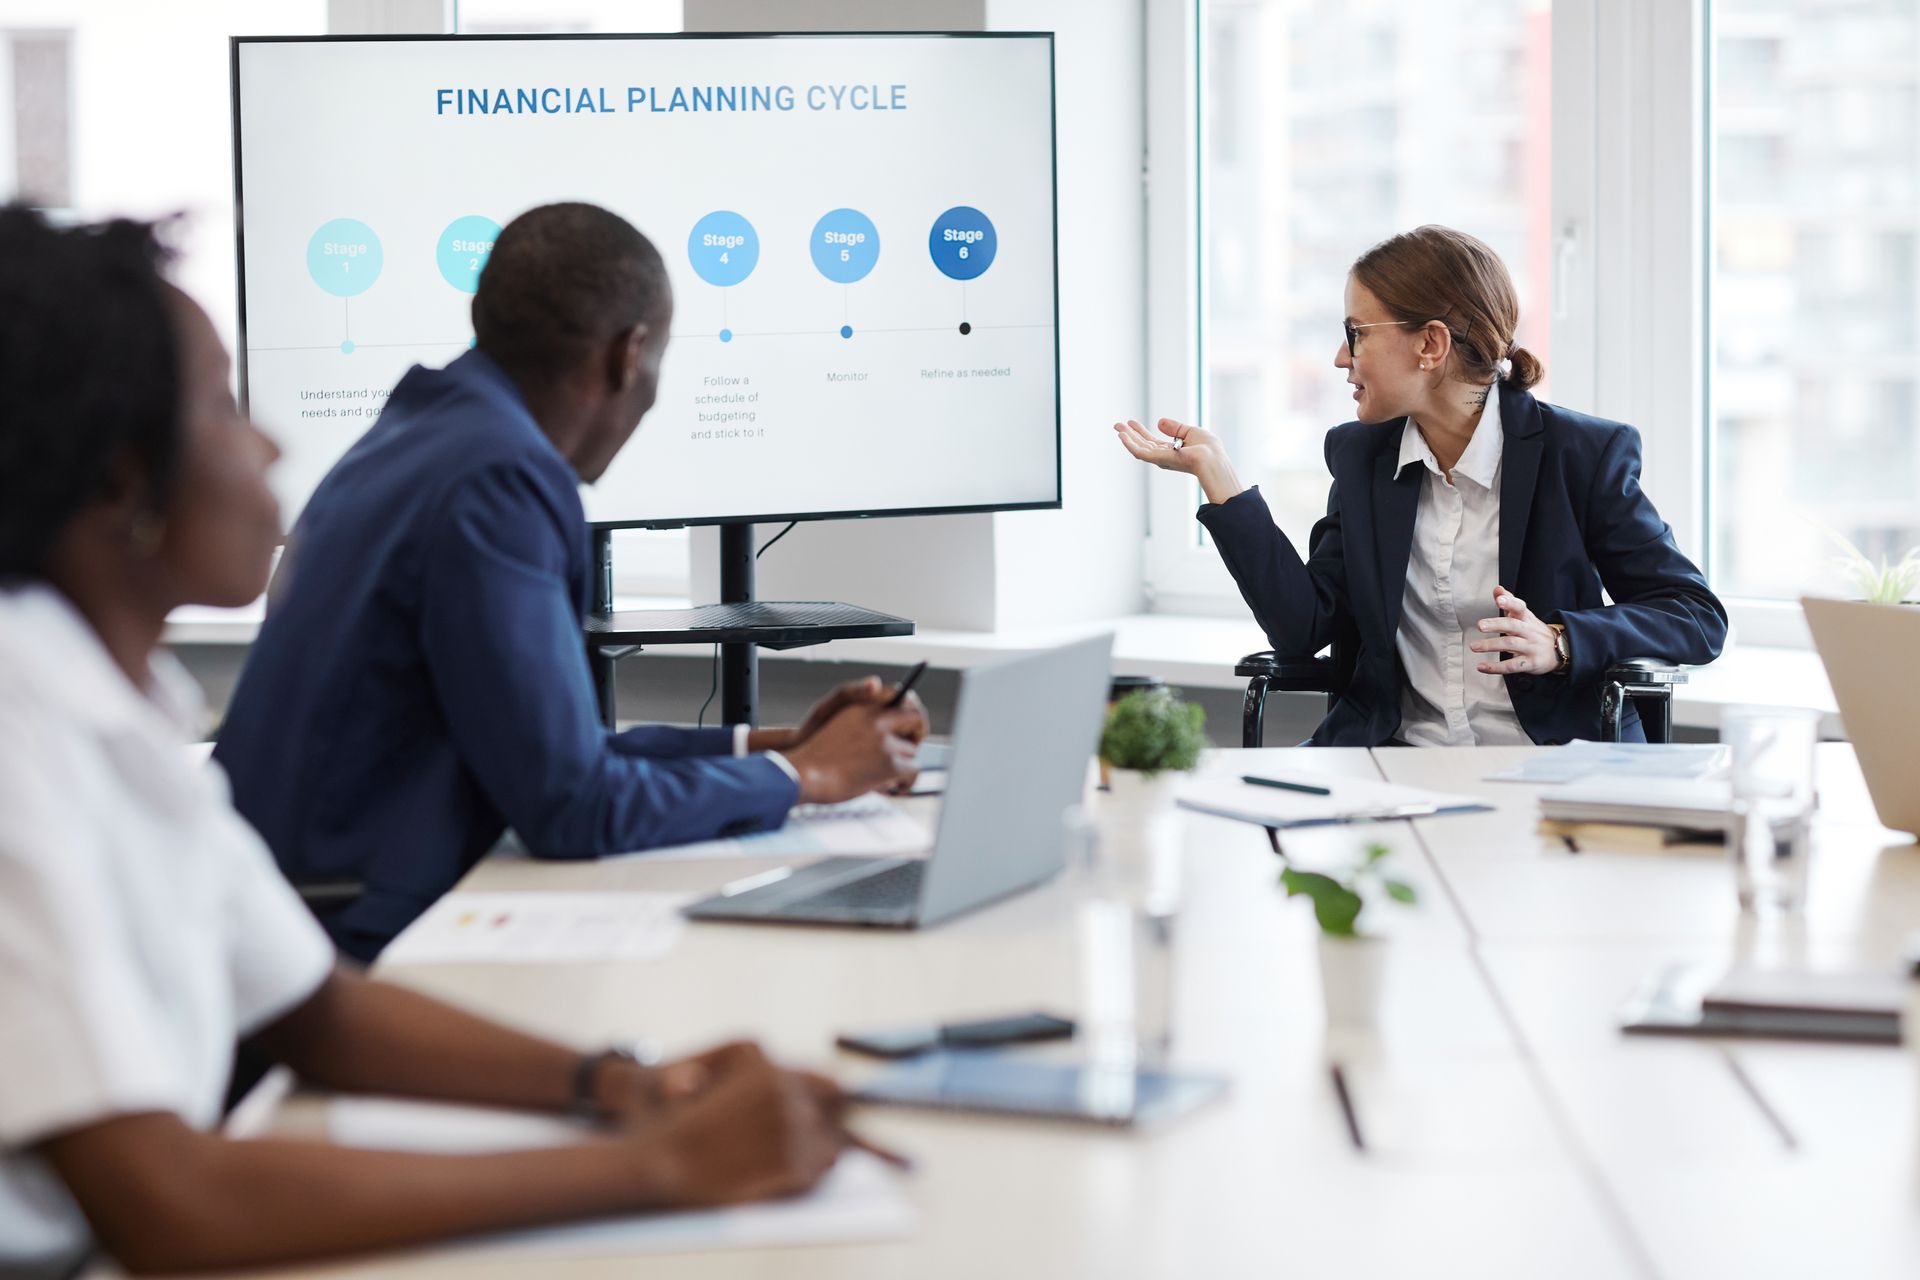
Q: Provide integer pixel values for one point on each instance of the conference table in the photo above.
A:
(1501, 1124)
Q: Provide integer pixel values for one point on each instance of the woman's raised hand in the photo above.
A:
(1187, 449)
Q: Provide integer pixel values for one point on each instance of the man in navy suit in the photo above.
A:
(1471, 529)
(421, 680)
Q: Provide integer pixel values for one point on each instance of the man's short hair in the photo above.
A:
(563, 279)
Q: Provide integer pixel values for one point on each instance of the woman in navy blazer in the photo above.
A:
(1466, 566)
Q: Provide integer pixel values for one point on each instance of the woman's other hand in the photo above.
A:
(1186, 449)
(1527, 641)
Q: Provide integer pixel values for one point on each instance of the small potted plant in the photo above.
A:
(1883, 583)
(1151, 738)
(1352, 959)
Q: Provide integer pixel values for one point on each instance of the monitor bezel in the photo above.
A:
(771, 517)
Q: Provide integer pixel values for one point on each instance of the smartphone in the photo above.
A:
(905, 1042)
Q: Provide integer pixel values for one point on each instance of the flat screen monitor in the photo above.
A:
(860, 232)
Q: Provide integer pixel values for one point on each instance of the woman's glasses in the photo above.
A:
(1353, 330)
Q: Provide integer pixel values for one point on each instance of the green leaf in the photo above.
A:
(1400, 891)
(1335, 906)
(1375, 852)
(1152, 731)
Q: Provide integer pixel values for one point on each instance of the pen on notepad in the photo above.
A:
(894, 1158)
(1277, 784)
(906, 686)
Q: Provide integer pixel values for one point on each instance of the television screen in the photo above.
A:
(860, 232)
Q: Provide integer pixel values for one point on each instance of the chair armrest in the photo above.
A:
(1646, 675)
(327, 895)
(1289, 674)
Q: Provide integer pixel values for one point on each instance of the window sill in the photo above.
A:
(1188, 650)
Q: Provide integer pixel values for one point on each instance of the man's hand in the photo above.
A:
(1527, 641)
(867, 691)
(854, 693)
(863, 747)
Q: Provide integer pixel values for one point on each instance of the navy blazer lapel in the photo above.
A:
(1396, 500)
(1519, 470)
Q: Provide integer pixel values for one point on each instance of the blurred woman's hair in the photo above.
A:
(1437, 273)
(89, 377)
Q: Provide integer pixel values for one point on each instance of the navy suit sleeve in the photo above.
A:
(509, 667)
(665, 740)
(1662, 607)
(1299, 604)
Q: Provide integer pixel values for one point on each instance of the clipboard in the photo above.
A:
(1348, 801)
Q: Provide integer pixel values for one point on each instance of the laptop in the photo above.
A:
(1023, 733)
(1868, 650)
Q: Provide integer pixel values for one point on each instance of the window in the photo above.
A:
(121, 107)
(1324, 127)
(39, 72)
(1814, 329)
(494, 17)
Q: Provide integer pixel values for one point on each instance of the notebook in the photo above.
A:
(1708, 1000)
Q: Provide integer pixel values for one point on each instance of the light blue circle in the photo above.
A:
(846, 244)
(726, 335)
(723, 248)
(962, 242)
(463, 250)
(346, 348)
(344, 257)
(846, 331)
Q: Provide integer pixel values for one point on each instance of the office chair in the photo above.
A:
(325, 895)
(1648, 681)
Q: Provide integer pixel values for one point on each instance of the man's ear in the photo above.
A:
(624, 357)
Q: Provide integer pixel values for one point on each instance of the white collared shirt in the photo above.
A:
(143, 924)
(1451, 574)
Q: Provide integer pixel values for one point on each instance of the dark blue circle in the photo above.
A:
(846, 331)
(962, 242)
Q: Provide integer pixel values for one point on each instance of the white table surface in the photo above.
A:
(1511, 1130)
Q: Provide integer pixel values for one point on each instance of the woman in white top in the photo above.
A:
(1485, 556)
(144, 927)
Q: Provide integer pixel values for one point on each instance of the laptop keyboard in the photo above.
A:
(895, 889)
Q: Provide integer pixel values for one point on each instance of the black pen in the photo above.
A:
(906, 687)
(1278, 785)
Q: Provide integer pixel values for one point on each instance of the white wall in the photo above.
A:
(1083, 561)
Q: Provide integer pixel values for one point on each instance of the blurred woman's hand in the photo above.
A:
(1186, 449)
(753, 1131)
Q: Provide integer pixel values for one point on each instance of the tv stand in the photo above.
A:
(739, 624)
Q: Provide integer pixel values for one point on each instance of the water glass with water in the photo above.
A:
(1773, 798)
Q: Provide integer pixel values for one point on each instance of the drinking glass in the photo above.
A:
(1773, 797)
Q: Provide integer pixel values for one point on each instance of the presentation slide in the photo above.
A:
(859, 231)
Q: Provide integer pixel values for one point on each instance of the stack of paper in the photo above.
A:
(1582, 759)
(871, 826)
(1689, 803)
(518, 928)
(860, 1199)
